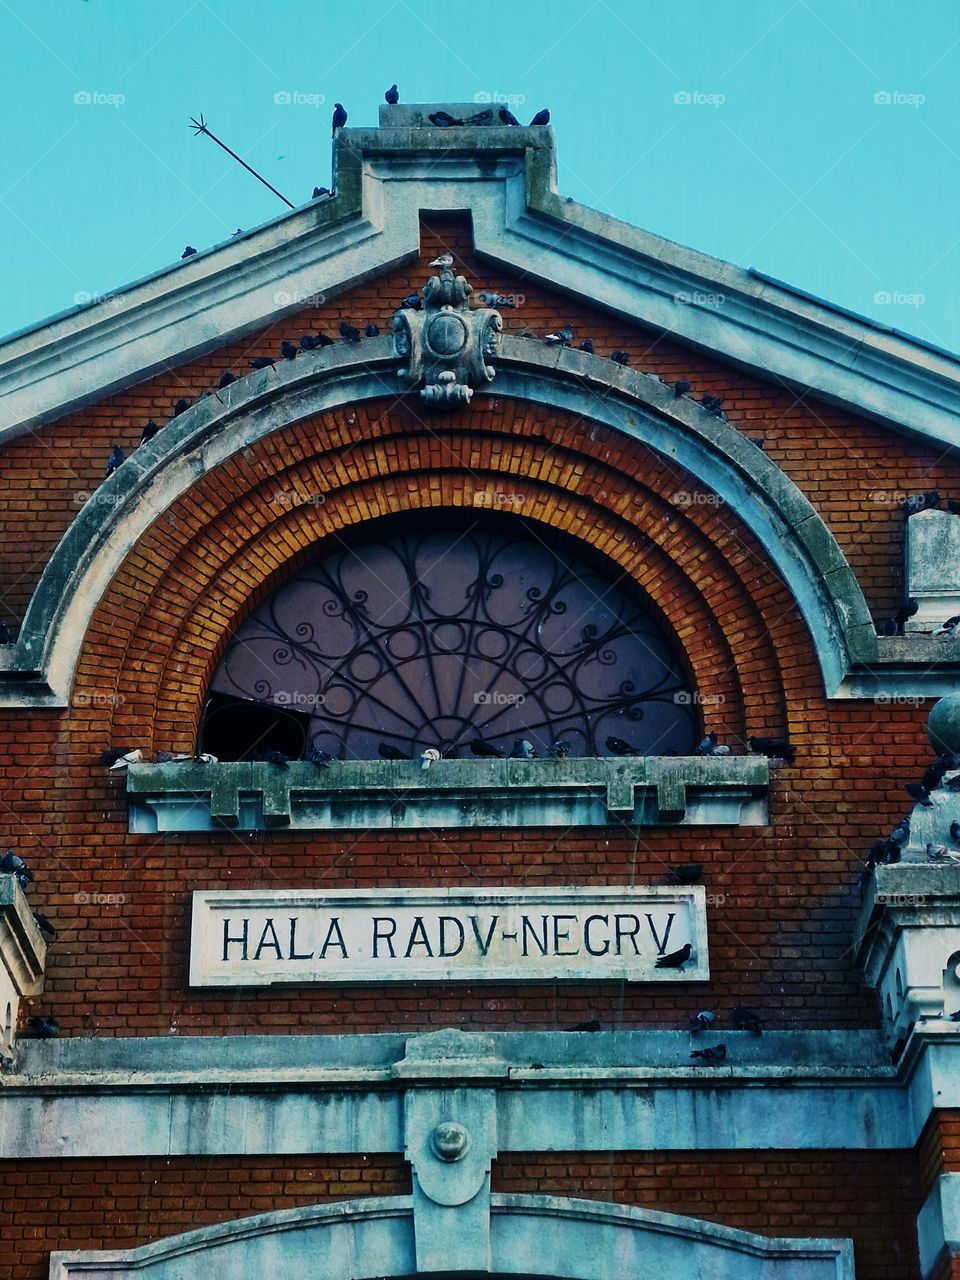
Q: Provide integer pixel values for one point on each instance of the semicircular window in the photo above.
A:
(421, 637)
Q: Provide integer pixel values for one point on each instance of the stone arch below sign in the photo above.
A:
(535, 1237)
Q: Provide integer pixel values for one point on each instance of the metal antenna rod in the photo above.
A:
(199, 127)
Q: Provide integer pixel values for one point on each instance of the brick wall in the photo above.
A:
(871, 1197)
(99, 1204)
(784, 897)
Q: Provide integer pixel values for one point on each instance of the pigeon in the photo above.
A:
(348, 332)
(742, 1019)
(180, 407)
(561, 338)
(507, 116)
(620, 357)
(713, 404)
(779, 748)
(44, 925)
(149, 431)
(523, 749)
(617, 747)
(372, 331)
(675, 959)
(288, 350)
(592, 1024)
(261, 362)
(188, 252)
(559, 749)
(587, 346)
(44, 1028)
(681, 387)
(114, 461)
(226, 378)
(13, 865)
(712, 1056)
(918, 502)
(320, 191)
(917, 791)
(901, 832)
(486, 750)
(955, 832)
(906, 611)
(443, 119)
(388, 752)
(113, 754)
(272, 756)
(481, 117)
(702, 1022)
(6, 633)
(316, 755)
(428, 757)
(339, 118)
(444, 262)
(940, 853)
(948, 627)
(125, 758)
(392, 96)
(687, 873)
(706, 746)
(542, 117)
(412, 302)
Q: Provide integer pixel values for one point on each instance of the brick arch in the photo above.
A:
(200, 569)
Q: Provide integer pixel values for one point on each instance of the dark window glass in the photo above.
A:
(433, 636)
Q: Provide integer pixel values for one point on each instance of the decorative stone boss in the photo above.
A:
(447, 344)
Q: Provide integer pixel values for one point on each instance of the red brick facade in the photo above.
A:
(783, 899)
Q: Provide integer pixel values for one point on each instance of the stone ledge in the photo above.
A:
(399, 795)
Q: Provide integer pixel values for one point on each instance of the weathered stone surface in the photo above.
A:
(933, 568)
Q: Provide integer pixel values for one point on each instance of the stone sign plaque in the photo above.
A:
(262, 937)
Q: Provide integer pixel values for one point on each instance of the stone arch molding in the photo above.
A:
(39, 668)
(546, 1237)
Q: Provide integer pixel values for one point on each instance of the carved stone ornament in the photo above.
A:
(447, 345)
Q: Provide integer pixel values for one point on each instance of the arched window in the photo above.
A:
(439, 634)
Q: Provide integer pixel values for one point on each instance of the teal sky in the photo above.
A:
(820, 142)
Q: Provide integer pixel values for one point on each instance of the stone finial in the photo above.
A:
(447, 345)
(943, 724)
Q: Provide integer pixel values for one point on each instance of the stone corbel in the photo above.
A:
(22, 955)
(450, 1139)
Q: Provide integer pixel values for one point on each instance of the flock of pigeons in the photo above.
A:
(888, 851)
(11, 864)
(443, 119)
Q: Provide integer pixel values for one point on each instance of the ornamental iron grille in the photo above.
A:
(433, 637)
